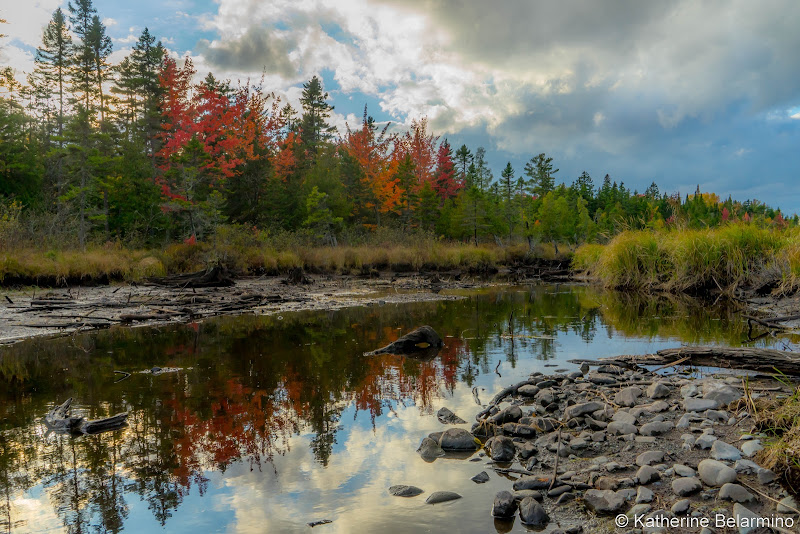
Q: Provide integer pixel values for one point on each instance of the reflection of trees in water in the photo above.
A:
(257, 381)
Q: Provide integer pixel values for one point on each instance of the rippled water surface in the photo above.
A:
(274, 422)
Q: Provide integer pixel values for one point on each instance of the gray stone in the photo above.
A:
(521, 494)
(502, 449)
(684, 421)
(457, 439)
(447, 417)
(644, 495)
(401, 490)
(700, 405)
(650, 458)
(684, 486)
(725, 451)
(656, 407)
(564, 498)
(516, 429)
(504, 504)
(480, 478)
(658, 390)
(555, 492)
(627, 493)
(705, 441)
(717, 416)
(684, 470)
(621, 416)
(606, 483)
(680, 507)
(747, 520)
(616, 427)
(715, 473)
(603, 501)
(765, 476)
(510, 414)
(600, 379)
(532, 513)
(528, 390)
(788, 505)
(442, 496)
(526, 449)
(735, 493)
(657, 522)
(647, 474)
(532, 482)
(749, 448)
(627, 396)
(545, 397)
(721, 392)
(746, 467)
(430, 450)
(638, 510)
(577, 410)
(656, 428)
(543, 424)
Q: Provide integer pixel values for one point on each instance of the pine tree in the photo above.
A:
(540, 170)
(53, 60)
(100, 45)
(507, 186)
(314, 127)
(463, 158)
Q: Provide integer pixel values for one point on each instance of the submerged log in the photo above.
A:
(423, 341)
(59, 419)
(746, 358)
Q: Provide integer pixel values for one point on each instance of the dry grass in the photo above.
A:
(779, 418)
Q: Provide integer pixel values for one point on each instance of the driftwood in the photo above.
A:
(297, 276)
(59, 419)
(422, 341)
(216, 276)
(747, 358)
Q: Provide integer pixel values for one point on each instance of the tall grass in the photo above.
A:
(245, 251)
(725, 258)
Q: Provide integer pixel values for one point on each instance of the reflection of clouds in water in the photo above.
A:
(352, 490)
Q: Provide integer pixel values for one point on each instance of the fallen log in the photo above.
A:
(216, 276)
(745, 358)
(59, 419)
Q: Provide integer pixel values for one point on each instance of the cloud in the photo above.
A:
(256, 49)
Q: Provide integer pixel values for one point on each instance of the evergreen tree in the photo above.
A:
(540, 170)
(100, 44)
(463, 159)
(53, 61)
(314, 127)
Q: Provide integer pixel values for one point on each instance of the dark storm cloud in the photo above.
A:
(258, 48)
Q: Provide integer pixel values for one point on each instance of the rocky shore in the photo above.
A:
(631, 451)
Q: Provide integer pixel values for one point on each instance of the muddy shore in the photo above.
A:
(33, 312)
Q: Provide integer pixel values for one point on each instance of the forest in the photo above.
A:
(145, 153)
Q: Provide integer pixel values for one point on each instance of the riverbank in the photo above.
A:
(630, 449)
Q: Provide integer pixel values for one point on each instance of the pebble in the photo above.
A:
(647, 474)
(745, 518)
(442, 496)
(680, 507)
(402, 490)
(480, 478)
(649, 458)
(735, 493)
(627, 396)
(725, 451)
(749, 448)
(788, 505)
(531, 512)
(658, 390)
(684, 486)
(644, 494)
(715, 473)
(603, 501)
(684, 470)
(504, 504)
(656, 428)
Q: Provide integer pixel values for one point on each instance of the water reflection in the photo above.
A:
(273, 423)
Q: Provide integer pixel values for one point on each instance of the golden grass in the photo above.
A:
(724, 258)
(779, 418)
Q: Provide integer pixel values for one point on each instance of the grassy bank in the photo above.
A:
(726, 258)
(247, 253)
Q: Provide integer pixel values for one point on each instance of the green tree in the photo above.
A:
(314, 127)
(320, 219)
(540, 170)
(53, 60)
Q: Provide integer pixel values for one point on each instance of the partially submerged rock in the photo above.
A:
(402, 490)
(442, 496)
(423, 340)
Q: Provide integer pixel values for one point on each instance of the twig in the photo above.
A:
(9, 299)
(555, 467)
(678, 362)
(496, 369)
(745, 484)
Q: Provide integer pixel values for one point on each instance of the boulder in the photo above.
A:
(532, 513)
(457, 439)
(502, 449)
(402, 490)
(430, 449)
(447, 417)
(442, 496)
(715, 473)
(504, 504)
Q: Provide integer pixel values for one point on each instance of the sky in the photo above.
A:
(679, 92)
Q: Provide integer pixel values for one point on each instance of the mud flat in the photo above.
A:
(623, 449)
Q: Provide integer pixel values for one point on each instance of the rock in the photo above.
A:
(788, 505)
(747, 520)
(526, 449)
(715, 473)
(735, 493)
(615, 428)
(603, 501)
(684, 486)
(606, 483)
(725, 451)
(577, 410)
(564, 498)
(705, 441)
(765, 476)
(644, 494)
(656, 428)
(545, 397)
(532, 482)
(510, 414)
(447, 417)
(528, 390)
(658, 390)
(442, 496)
(684, 470)
(502, 449)
(680, 507)
(656, 407)
(516, 429)
(543, 424)
(600, 379)
(504, 504)
(627, 493)
(684, 421)
(521, 494)
(555, 492)
(401, 490)
(457, 439)
(647, 474)
(657, 522)
(624, 417)
(746, 467)
(532, 513)
(721, 392)
(700, 405)
(749, 448)
(627, 396)
(650, 458)
(411, 343)
(638, 510)
(430, 450)
(480, 478)
(717, 416)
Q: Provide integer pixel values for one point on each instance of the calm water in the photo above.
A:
(278, 421)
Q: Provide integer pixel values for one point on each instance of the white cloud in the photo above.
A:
(108, 21)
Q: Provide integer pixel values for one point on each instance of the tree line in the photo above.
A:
(142, 153)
